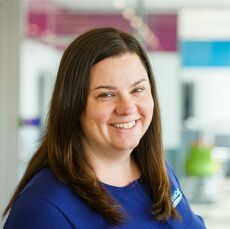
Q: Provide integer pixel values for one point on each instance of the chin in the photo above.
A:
(129, 146)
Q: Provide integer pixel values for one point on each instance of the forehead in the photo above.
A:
(118, 69)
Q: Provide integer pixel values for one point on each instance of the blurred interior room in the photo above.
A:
(188, 43)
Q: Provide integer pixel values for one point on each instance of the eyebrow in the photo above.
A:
(113, 88)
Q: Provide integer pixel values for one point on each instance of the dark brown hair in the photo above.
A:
(61, 147)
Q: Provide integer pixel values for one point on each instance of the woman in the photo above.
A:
(101, 162)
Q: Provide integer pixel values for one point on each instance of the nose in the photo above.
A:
(125, 106)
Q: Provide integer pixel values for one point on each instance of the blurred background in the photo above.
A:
(188, 43)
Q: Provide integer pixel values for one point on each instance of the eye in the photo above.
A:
(138, 90)
(106, 95)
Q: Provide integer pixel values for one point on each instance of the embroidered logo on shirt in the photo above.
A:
(176, 197)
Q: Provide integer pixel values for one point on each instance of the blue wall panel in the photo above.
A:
(205, 53)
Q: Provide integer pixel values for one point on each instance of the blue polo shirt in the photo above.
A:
(47, 203)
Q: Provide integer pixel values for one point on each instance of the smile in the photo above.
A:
(126, 125)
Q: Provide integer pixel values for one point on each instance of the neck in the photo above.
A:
(119, 171)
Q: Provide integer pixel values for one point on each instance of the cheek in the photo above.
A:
(147, 107)
(98, 115)
(151, 107)
(102, 118)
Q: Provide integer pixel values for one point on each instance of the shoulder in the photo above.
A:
(188, 217)
(42, 203)
(46, 186)
(46, 202)
(30, 211)
(172, 176)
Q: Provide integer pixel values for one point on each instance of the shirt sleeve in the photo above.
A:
(29, 211)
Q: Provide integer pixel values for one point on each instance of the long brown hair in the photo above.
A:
(61, 147)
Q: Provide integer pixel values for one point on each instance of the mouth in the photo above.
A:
(124, 125)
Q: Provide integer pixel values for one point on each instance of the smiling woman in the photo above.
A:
(118, 112)
(101, 162)
(119, 107)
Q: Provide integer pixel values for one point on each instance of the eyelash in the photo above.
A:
(106, 95)
(138, 90)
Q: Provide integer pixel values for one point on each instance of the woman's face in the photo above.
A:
(119, 107)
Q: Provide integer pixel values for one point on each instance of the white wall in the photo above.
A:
(165, 67)
(39, 64)
(37, 59)
(212, 96)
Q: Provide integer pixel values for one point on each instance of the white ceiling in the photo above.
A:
(146, 5)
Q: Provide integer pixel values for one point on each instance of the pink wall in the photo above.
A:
(60, 23)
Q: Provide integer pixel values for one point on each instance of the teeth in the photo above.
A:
(126, 125)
